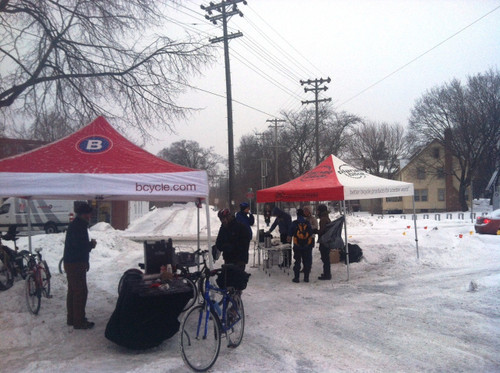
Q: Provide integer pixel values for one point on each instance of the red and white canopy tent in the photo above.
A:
(335, 180)
(97, 162)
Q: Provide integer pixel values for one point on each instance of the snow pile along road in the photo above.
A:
(397, 313)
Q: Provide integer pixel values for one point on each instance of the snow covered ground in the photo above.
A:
(395, 314)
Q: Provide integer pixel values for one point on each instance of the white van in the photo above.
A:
(50, 215)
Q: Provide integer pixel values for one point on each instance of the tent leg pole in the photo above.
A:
(415, 224)
(29, 224)
(209, 238)
(257, 235)
(346, 240)
(198, 224)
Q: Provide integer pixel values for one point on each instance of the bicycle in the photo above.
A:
(12, 262)
(203, 325)
(37, 281)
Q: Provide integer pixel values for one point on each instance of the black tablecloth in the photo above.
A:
(144, 317)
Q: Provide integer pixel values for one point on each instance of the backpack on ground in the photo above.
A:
(355, 254)
(303, 234)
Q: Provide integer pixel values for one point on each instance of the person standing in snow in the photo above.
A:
(308, 215)
(303, 242)
(245, 217)
(233, 240)
(324, 219)
(284, 222)
(267, 214)
(77, 247)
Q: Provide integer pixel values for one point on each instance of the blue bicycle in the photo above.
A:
(221, 313)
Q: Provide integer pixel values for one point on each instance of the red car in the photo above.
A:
(488, 224)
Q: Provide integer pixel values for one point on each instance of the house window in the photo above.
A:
(420, 173)
(435, 153)
(441, 194)
(440, 173)
(394, 199)
(421, 195)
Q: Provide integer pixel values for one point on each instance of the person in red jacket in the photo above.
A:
(77, 247)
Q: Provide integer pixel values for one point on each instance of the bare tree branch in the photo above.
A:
(83, 58)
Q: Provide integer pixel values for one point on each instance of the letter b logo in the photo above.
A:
(94, 144)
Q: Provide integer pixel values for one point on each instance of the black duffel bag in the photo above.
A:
(355, 254)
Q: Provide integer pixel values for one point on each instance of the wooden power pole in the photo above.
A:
(316, 83)
(227, 9)
(276, 168)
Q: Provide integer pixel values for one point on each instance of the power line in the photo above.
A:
(223, 96)
(287, 42)
(418, 57)
(266, 76)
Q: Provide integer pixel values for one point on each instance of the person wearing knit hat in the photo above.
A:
(246, 217)
(324, 219)
(77, 247)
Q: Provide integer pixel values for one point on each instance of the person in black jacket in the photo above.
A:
(233, 240)
(246, 217)
(283, 221)
(77, 247)
(324, 219)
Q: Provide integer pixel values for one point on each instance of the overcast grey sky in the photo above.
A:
(355, 43)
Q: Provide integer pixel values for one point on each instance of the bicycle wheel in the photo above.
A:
(198, 351)
(45, 276)
(235, 321)
(132, 273)
(33, 296)
(25, 259)
(194, 290)
(6, 274)
(61, 266)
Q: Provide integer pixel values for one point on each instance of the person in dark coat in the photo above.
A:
(245, 217)
(301, 235)
(284, 222)
(233, 240)
(77, 247)
(324, 219)
(267, 214)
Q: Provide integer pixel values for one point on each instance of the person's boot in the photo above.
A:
(296, 278)
(306, 276)
(325, 277)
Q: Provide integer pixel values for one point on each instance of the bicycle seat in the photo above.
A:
(38, 249)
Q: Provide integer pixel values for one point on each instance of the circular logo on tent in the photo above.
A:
(351, 172)
(94, 144)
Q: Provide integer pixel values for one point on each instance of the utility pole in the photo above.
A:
(227, 9)
(275, 121)
(316, 83)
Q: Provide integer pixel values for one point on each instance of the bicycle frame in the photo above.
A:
(35, 266)
(209, 305)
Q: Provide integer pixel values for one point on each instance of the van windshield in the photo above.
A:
(4, 209)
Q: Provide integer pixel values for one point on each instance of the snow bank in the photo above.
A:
(396, 313)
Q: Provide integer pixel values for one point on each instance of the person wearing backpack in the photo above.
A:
(301, 234)
(324, 219)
